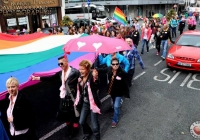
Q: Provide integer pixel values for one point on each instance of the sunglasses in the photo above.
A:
(115, 64)
(60, 64)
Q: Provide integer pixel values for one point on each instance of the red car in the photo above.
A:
(185, 53)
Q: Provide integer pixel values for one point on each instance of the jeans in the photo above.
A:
(173, 31)
(85, 111)
(164, 44)
(130, 76)
(147, 46)
(116, 105)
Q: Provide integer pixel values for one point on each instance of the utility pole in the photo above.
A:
(88, 2)
(83, 6)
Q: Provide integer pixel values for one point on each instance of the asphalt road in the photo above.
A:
(164, 103)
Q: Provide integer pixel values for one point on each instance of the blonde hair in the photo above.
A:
(38, 29)
(85, 63)
(12, 80)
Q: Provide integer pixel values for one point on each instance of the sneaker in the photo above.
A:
(114, 125)
(142, 53)
(157, 53)
(163, 58)
(121, 102)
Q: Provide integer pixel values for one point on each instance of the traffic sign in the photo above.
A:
(88, 2)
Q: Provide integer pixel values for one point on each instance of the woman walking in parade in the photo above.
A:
(146, 34)
(158, 40)
(117, 87)
(87, 100)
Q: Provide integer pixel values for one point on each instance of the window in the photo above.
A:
(50, 20)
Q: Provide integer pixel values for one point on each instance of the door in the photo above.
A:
(36, 22)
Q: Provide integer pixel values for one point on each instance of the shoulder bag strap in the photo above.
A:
(69, 92)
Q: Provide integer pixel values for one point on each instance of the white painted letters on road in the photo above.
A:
(186, 79)
(194, 79)
(174, 77)
(170, 79)
(162, 72)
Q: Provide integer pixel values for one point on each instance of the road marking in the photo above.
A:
(64, 125)
(174, 77)
(194, 79)
(139, 75)
(186, 79)
(158, 63)
(53, 131)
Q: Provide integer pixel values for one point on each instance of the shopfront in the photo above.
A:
(29, 14)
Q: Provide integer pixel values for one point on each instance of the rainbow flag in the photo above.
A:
(22, 56)
(119, 16)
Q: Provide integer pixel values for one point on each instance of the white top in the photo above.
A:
(9, 114)
(66, 76)
(145, 33)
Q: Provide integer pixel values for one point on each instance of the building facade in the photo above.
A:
(30, 14)
(133, 8)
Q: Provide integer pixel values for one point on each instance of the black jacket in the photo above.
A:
(120, 85)
(157, 38)
(94, 85)
(166, 35)
(23, 114)
(72, 79)
(181, 25)
(135, 37)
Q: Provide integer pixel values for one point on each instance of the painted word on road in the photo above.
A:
(191, 77)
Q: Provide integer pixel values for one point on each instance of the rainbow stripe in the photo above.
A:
(21, 56)
(119, 16)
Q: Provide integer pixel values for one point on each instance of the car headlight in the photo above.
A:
(170, 56)
(198, 61)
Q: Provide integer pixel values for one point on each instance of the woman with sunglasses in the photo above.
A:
(117, 87)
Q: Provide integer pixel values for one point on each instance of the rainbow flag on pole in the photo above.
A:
(119, 16)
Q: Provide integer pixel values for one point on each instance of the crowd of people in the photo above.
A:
(79, 91)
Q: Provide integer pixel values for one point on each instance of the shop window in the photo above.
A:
(19, 23)
(50, 20)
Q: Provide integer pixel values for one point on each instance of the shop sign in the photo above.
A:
(22, 20)
(27, 7)
(11, 22)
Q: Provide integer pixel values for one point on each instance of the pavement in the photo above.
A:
(163, 105)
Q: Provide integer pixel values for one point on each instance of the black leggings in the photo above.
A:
(158, 46)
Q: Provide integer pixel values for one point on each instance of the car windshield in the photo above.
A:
(189, 40)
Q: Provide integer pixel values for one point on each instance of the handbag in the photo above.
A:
(64, 107)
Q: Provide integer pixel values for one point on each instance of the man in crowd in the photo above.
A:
(131, 56)
(69, 78)
(135, 36)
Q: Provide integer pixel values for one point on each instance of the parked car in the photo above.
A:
(109, 19)
(82, 22)
(185, 53)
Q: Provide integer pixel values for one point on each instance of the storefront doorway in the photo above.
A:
(36, 22)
